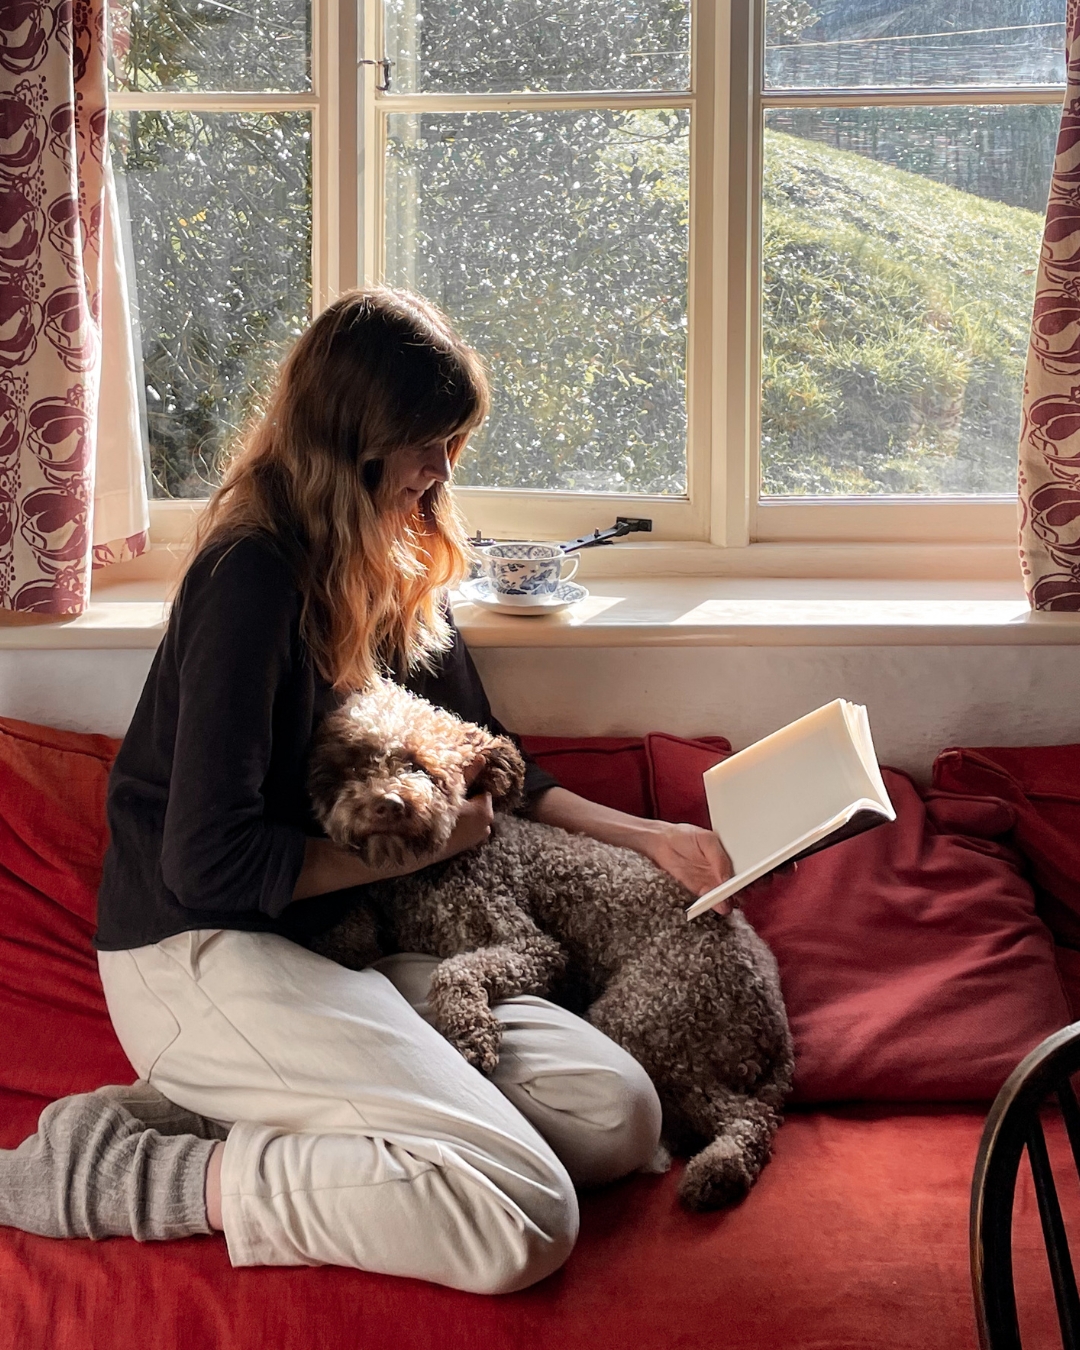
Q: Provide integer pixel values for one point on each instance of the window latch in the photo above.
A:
(382, 84)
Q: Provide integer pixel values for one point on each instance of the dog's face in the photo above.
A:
(388, 802)
(388, 774)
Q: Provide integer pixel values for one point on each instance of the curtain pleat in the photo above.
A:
(69, 426)
(1049, 473)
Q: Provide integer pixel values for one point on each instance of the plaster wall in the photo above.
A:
(920, 698)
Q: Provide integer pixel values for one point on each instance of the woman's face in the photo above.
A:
(418, 468)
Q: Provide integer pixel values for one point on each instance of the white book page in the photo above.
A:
(792, 790)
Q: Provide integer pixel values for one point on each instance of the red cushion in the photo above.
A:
(1041, 785)
(54, 1030)
(608, 769)
(855, 1237)
(617, 771)
(675, 769)
(1068, 964)
(913, 965)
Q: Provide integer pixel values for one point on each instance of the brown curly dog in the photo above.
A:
(536, 910)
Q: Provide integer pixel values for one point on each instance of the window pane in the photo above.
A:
(842, 43)
(202, 44)
(558, 244)
(501, 46)
(899, 253)
(219, 206)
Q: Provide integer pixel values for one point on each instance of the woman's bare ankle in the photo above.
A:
(213, 1190)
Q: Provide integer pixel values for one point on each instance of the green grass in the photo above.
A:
(896, 314)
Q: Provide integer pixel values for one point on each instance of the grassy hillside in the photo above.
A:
(896, 314)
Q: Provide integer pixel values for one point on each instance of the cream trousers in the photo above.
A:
(359, 1136)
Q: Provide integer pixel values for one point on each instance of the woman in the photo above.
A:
(309, 1111)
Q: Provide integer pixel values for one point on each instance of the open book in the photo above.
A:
(803, 788)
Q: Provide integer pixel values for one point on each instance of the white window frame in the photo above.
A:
(721, 525)
(957, 521)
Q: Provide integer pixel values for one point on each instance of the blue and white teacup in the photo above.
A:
(527, 574)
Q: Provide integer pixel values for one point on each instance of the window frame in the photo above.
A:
(722, 524)
(959, 520)
(499, 512)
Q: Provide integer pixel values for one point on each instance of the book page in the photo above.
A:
(858, 724)
(786, 786)
(791, 791)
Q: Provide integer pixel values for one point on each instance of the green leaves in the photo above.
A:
(558, 242)
(220, 229)
(895, 312)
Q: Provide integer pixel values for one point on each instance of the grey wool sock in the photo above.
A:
(94, 1170)
(153, 1108)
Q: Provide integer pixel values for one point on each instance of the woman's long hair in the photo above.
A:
(377, 371)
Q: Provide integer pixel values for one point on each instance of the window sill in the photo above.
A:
(661, 612)
(773, 612)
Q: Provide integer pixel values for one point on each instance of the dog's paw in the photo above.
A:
(503, 774)
(480, 1047)
(717, 1176)
(460, 1012)
(475, 1033)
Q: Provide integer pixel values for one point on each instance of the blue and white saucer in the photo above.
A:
(481, 592)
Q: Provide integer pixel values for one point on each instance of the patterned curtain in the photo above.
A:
(72, 482)
(1050, 433)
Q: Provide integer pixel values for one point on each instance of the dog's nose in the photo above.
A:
(390, 806)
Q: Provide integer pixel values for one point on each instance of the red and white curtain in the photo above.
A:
(72, 481)
(1050, 435)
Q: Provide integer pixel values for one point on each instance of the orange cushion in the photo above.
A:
(855, 1238)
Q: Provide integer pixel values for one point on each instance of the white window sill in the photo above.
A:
(765, 611)
(661, 612)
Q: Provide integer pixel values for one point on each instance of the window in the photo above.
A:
(211, 129)
(762, 272)
(906, 157)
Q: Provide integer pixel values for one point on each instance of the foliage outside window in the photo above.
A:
(217, 207)
(557, 239)
(900, 240)
(537, 158)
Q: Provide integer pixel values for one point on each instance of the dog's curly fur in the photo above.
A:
(387, 774)
(537, 910)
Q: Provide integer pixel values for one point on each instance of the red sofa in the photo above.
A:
(917, 972)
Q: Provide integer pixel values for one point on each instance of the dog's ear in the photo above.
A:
(328, 766)
(503, 774)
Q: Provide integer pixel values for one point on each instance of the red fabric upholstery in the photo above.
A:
(55, 1034)
(855, 1237)
(675, 769)
(606, 769)
(1068, 963)
(1040, 786)
(619, 772)
(913, 965)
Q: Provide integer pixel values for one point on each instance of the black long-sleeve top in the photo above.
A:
(207, 809)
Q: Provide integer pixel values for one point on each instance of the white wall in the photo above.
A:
(920, 698)
(89, 689)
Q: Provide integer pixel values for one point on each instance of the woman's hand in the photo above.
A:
(693, 856)
(474, 819)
